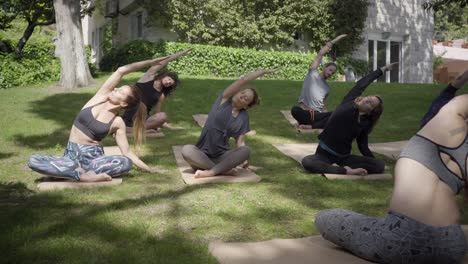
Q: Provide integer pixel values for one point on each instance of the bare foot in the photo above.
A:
(170, 127)
(231, 172)
(357, 171)
(152, 131)
(304, 126)
(204, 174)
(251, 133)
(91, 176)
(80, 170)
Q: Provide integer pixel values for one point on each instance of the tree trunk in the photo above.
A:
(4, 48)
(69, 47)
(26, 35)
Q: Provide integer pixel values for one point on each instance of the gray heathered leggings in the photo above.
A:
(393, 239)
(228, 160)
(88, 157)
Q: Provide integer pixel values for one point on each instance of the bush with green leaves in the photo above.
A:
(217, 61)
(37, 64)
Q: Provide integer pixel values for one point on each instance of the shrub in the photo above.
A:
(37, 64)
(133, 51)
(217, 61)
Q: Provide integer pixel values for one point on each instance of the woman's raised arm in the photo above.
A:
(153, 70)
(237, 85)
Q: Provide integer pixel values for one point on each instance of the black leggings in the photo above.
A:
(393, 239)
(306, 117)
(321, 162)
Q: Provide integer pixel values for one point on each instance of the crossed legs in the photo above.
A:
(209, 167)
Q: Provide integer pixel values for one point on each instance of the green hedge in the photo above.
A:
(208, 60)
(37, 64)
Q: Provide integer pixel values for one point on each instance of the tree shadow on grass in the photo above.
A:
(13, 193)
(6, 155)
(48, 228)
(59, 108)
(38, 142)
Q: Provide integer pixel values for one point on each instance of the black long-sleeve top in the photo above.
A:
(345, 124)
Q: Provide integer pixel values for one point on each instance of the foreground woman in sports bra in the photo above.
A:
(84, 158)
(422, 224)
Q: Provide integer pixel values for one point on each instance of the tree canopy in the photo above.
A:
(35, 12)
(451, 22)
(438, 4)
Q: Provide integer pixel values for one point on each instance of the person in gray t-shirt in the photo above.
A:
(228, 117)
(311, 112)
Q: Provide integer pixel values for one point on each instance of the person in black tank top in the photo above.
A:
(353, 118)
(84, 158)
(415, 230)
(155, 87)
(228, 118)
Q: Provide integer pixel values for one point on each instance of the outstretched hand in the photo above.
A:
(185, 52)
(273, 70)
(338, 38)
(389, 67)
(157, 170)
(330, 44)
(180, 54)
(158, 60)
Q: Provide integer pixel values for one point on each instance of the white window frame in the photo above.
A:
(134, 25)
(393, 38)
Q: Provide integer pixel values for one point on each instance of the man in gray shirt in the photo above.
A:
(311, 112)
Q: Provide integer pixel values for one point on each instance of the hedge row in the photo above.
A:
(36, 65)
(208, 60)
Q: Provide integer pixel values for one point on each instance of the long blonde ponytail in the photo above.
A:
(139, 119)
(139, 129)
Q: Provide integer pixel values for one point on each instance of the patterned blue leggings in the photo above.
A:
(393, 239)
(87, 157)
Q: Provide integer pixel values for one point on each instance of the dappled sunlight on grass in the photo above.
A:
(156, 217)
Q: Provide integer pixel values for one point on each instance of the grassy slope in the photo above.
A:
(157, 218)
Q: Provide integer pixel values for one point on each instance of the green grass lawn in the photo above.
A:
(157, 218)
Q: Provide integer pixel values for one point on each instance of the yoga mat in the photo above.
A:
(201, 120)
(152, 134)
(310, 250)
(299, 151)
(379, 176)
(293, 122)
(389, 149)
(110, 151)
(187, 172)
(68, 184)
(283, 251)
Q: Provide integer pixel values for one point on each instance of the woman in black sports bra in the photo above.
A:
(155, 86)
(84, 158)
(422, 223)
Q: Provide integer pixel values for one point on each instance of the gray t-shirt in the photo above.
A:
(220, 126)
(314, 91)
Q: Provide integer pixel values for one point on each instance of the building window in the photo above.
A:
(395, 55)
(382, 52)
(137, 26)
(381, 57)
(93, 39)
(297, 35)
